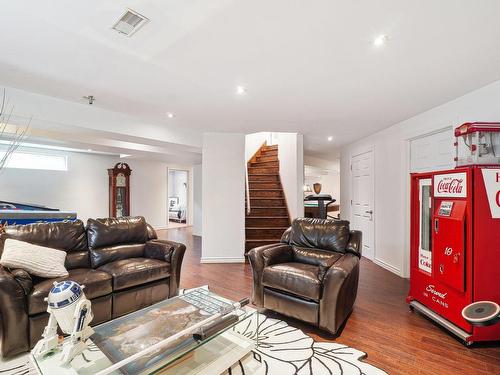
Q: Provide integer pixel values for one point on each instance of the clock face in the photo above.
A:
(121, 180)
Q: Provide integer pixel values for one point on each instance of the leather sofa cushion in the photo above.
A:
(77, 259)
(97, 284)
(286, 304)
(321, 258)
(331, 235)
(63, 235)
(136, 271)
(99, 257)
(296, 278)
(114, 231)
(127, 301)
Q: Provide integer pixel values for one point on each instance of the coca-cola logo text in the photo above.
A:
(451, 186)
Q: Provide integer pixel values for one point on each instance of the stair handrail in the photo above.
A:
(247, 189)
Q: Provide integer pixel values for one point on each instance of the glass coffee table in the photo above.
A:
(194, 347)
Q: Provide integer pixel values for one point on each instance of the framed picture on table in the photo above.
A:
(173, 201)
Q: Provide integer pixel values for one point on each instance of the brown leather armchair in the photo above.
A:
(311, 275)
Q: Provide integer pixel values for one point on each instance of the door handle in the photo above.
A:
(436, 225)
(369, 212)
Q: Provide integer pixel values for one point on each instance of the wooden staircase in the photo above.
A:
(268, 217)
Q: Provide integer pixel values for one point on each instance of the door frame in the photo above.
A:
(353, 154)
(405, 272)
(189, 191)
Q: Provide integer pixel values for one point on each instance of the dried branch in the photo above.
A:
(17, 137)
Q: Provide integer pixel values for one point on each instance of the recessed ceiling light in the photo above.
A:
(170, 115)
(240, 90)
(330, 138)
(380, 40)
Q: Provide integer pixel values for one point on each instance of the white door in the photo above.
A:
(432, 152)
(362, 200)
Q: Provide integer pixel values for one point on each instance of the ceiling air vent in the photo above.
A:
(130, 22)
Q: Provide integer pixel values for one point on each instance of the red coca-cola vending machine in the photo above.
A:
(455, 234)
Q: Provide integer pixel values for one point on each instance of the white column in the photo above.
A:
(197, 200)
(223, 198)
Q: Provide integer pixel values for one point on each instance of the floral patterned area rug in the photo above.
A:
(285, 350)
(281, 350)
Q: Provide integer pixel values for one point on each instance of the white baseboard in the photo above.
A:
(388, 267)
(222, 260)
(161, 227)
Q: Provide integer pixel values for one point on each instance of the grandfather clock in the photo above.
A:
(119, 190)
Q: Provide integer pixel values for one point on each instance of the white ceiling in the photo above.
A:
(309, 66)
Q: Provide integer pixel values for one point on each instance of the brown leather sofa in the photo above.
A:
(311, 275)
(122, 264)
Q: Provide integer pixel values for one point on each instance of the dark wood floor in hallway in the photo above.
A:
(381, 325)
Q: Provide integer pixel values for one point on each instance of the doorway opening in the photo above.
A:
(178, 188)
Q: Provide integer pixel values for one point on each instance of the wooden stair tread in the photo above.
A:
(264, 240)
(270, 217)
(280, 207)
(265, 228)
(266, 189)
(268, 198)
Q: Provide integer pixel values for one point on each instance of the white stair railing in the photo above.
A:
(247, 189)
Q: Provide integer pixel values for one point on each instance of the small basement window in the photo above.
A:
(23, 159)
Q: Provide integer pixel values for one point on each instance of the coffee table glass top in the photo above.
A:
(123, 337)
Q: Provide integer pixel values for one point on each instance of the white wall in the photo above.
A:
(84, 187)
(254, 141)
(197, 200)
(148, 191)
(223, 197)
(391, 154)
(291, 156)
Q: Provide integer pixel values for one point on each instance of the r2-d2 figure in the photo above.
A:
(70, 309)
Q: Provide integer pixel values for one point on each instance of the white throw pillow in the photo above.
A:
(37, 260)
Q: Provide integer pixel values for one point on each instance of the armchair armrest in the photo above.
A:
(13, 316)
(151, 232)
(354, 245)
(261, 257)
(285, 237)
(161, 250)
(24, 279)
(169, 251)
(340, 287)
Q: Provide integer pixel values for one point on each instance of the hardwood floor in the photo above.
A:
(381, 325)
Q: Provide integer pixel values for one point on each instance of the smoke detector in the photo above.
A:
(130, 22)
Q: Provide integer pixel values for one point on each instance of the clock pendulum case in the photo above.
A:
(119, 190)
